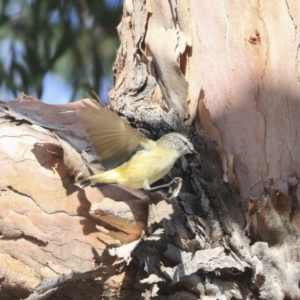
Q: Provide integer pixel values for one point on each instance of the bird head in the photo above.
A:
(178, 142)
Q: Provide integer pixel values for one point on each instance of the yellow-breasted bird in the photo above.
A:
(134, 161)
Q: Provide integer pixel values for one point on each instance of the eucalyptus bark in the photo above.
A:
(224, 75)
(227, 75)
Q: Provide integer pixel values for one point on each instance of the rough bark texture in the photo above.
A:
(227, 75)
(48, 236)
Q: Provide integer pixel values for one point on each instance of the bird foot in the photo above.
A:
(175, 192)
(177, 181)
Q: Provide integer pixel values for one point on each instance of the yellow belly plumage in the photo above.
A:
(144, 166)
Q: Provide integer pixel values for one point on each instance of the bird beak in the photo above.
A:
(193, 151)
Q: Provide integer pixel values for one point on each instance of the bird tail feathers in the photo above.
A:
(107, 177)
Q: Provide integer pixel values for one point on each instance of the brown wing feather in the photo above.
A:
(112, 138)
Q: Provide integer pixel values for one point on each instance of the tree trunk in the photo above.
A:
(225, 74)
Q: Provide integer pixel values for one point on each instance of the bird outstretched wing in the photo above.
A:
(112, 138)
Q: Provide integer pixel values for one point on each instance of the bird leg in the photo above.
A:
(176, 191)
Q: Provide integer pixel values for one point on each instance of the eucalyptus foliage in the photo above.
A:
(76, 40)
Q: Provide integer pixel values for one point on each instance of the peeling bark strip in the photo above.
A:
(202, 244)
(150, 62)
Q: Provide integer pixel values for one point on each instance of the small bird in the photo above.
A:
(134, 161)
